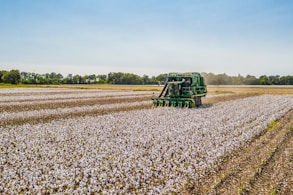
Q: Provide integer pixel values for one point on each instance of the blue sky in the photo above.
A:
(147, 37)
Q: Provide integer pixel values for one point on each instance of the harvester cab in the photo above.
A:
(182, 90)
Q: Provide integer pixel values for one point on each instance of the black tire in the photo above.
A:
(197, 101)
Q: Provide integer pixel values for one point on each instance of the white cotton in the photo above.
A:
(143, 151)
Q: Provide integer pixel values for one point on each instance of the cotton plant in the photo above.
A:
(39, 95)
(149, 151)
(67, 110)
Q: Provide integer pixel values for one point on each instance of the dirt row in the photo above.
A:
(71, 103)
(90, 102)
(25, 93)
(58, 116)
(76, 102)
(225, 97)
(49, 91)
(265, 166)
(44, 98)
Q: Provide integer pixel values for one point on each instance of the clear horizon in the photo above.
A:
(147, 37)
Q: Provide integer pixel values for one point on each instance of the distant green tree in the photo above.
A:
(210, 78)
(53, 75)
(24, 76)
(124, 78)
(12, 77)
(115, 77)
(68, 79)
(102, 78)
(220, 79)
(250, 80)
(2, 73)
(131, 79)
(76, 79)
(239, 80)
(274, 80)
(92, 78)
(145, 79)
(286, 80)
(153, 80)
(223, 79)
(15, 77)
(263, 80)
(82, 80)
(161, 79)
(86, 79)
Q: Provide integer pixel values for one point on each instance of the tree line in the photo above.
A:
(16, 77)
(224, 79)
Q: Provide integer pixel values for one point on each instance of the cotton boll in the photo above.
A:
(147, 151)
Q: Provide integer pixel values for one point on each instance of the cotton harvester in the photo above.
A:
(182, 90)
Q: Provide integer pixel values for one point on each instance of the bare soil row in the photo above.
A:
(58, 116)
(72, 103)
(69, 103)
(265, 166)
(262, 166)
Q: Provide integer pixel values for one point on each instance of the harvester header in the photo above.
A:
(182, 90)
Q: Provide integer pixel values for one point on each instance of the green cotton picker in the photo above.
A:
(182, 90)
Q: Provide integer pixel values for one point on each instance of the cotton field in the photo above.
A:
(144, 151)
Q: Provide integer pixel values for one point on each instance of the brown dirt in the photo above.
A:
(41, 105)
(57, 116)
(90, 102)
(223, 98)
(265, 166)
(250, 89)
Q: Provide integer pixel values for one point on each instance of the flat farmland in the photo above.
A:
(107, 139)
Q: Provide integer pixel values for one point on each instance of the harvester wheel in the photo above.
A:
(197, 101)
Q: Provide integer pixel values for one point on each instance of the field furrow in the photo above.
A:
(258, 168)
(126, 147)
(46, 115)
(275, 175)
(62, 96)
(67, 103)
